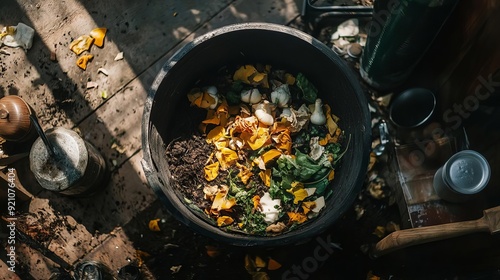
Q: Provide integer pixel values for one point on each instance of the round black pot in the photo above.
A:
(283, 48)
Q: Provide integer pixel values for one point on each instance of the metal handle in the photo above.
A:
(42, 135)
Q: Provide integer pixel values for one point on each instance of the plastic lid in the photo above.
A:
(467, 172)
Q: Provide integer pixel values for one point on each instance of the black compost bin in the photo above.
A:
(284, 48)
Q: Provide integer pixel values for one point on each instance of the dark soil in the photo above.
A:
(186, 159)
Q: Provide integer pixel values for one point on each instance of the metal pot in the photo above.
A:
(282, 47)
(15, 123)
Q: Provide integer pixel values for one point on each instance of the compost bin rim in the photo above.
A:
(188, 217)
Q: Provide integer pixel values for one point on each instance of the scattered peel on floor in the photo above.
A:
(272, 264)
(98, 34)
(212, 251)
(154, 225)
(103, 71)
(119, 56)
(84, 60)
(81, 44)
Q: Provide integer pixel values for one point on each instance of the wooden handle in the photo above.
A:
(409, 237)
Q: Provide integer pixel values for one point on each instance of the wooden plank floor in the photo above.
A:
(148, 33)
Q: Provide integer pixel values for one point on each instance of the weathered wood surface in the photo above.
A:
(143, 31)
(148, 34)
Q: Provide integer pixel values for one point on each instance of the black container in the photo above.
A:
(400, 33)
(283, 48)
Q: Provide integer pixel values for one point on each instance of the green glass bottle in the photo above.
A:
(400, 33)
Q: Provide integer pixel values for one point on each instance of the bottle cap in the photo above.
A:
(467, 172)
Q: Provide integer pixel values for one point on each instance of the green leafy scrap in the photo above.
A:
(253, 221)
(303, 169)
(233, 96)
(310, 93)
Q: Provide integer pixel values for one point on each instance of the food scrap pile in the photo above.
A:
(274, 145)
(83, 44)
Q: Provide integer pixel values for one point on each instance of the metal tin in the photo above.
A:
(76, 169)
(464, 174)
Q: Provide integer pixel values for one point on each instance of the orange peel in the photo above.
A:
(265, 176)
(83, 60)
(98, 34)
(226, 158)
(81, 44)
(211, 171)
(224, 221)
(297, 217)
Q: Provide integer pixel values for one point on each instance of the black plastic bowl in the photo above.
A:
(283, 48)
